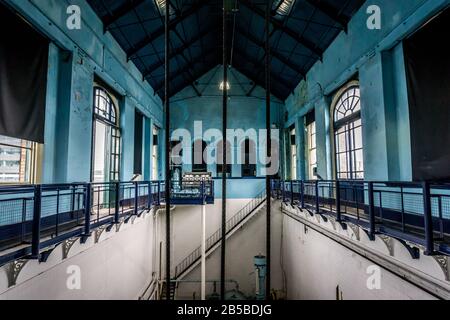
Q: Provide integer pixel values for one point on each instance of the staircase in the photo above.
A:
(163, 295)
(213, 242)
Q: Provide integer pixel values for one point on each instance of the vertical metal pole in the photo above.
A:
(303, 194)
(167, 145)
(159, 193)
(338, 201)
(371, 212)
(117, 207)
(317, 197)
(224, 153)
(87, 210)
(428, 219)
(292, 192)
(36, 234)
(136, 198)
(269, 150)
(203, 249)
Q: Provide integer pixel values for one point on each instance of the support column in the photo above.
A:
(167, 147)
(203, 252)
(224, 153)
(269, 150)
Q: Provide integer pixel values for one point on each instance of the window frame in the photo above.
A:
(31, 166)
(349, 124)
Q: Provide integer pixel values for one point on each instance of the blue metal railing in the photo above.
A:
(33, 217)
(417, 212)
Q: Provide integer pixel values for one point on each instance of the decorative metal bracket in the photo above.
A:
(98, 233)
(118, 226)
(66, 246)
(413, 250)
(443, 262)
(355, 230)
(13, 270)
(333, 223)
(389, 242)
(43, 257)
(109, 227)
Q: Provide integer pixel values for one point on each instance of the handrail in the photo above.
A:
(46, 215)
(413, 211)
(215, 238)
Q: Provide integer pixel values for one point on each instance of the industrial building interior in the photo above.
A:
(333, 183)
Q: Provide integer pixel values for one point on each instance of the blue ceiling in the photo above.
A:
(297, 38)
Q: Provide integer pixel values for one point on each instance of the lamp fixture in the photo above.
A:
(222, 86)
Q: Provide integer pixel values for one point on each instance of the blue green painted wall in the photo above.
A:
(375, 57)
(76, 57)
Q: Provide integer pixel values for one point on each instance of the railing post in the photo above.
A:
(283, 191)
(149, 198)
(117, 208)
(159, 193)
(292, 193)
(36, 233)
(338, 201)
(317, 197)
(87, 210)
(136, 198)
(371, 211)
(428, 219)
(302, 194)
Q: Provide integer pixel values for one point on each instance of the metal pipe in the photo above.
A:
(167, 145)
(203, 249)
(269, 150)
(36, 234)
(428, 219)
(224, 152)
(371, 212)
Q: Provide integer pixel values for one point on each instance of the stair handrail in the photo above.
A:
(212, 240)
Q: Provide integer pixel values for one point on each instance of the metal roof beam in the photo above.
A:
(251, 60)
(127, 7)
(311, 46)
(278, 56)
(186, 68)
(330, 12)
(179, 50)
(160, 31)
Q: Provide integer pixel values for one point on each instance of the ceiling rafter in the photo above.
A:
(330, 12)
(180, 17)
(124, 9)
(311, 46)
(186, 68)
(275, 54)
(258, 66)
(179, 50)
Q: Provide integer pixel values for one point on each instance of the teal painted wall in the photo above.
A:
(75, 58)
(244, 112)
(375, 57)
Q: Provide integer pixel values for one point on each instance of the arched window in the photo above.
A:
(348, 134)
(104, 107)
(106, 138)
(220, 160)
(249, 158)
(198, 160)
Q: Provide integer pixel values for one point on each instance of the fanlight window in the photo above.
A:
(348, 135)
(104, 106)
(348, 104)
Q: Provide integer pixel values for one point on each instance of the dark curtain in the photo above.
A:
(23, 78)
(138, 142)
(428, 76)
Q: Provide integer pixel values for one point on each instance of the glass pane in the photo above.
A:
(16, 157)
(100, 156)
